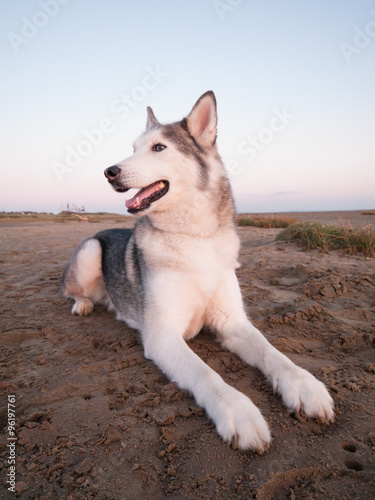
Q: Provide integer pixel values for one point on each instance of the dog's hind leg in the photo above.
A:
(83, 278)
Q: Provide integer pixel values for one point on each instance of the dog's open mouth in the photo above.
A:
(146, 196)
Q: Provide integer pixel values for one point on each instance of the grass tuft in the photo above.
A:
(269, 221)
(325, 238)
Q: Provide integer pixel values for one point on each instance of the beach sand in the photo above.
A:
(95, 419)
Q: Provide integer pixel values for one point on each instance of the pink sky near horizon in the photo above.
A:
(296, 112)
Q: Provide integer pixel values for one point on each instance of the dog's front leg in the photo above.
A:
(299, 389)
(236, 418)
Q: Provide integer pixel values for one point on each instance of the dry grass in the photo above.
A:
(267, 221)
(325, 238)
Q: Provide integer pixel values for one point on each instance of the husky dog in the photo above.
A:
(175, 273)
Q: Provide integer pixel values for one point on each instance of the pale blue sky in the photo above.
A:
(294, 82)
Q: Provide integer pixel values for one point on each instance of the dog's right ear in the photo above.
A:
(151, 120)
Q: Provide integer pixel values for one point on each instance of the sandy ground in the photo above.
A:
(97, 420)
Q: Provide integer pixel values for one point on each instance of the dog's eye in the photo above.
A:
(158, 147)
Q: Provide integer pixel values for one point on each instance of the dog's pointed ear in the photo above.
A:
(202, 120)
(151, 120)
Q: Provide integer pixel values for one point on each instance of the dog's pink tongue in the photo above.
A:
(129, 203)
(142, 194)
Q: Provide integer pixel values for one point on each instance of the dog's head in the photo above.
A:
(167, 158)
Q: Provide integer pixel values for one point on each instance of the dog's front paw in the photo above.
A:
(241, 423)
(300, 390)
(82, 306)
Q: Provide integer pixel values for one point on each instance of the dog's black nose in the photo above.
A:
(112, 172)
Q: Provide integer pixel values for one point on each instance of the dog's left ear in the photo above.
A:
(202, 120)
(151, 120)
